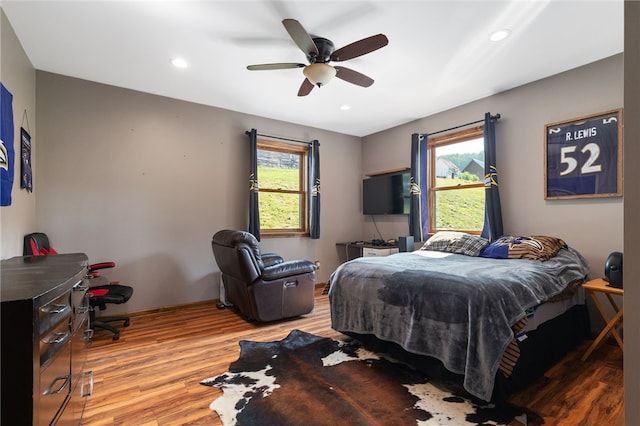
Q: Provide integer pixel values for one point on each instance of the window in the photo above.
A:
(283, 183)
(456, 182)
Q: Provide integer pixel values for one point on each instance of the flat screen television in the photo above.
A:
(386, 194)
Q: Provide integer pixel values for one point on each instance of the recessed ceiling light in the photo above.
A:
(345, 107)
(499, 35)
(179, 63)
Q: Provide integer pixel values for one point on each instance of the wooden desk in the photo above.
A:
(600, 286)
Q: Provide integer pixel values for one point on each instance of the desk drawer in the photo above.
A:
(55, 385)
(54, 340)
(53, 312)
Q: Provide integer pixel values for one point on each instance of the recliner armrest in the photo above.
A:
(287, 269)
(270, 259)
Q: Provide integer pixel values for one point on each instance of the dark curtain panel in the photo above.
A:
(314, 181)
(492, 210)
(419, 209)
(254, 210)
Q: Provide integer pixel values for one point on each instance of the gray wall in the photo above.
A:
(146, 181)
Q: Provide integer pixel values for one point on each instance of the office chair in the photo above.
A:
(100, 292)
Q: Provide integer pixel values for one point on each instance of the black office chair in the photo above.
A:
(100, 292)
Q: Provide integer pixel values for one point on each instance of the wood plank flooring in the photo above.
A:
(151, 375)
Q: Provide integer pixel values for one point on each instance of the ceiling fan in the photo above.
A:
(320, 51)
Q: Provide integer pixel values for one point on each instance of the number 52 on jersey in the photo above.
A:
(584, 157)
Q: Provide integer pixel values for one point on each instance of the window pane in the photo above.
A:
(460, 209)
(281, 193)
(279, 211)
(460, 163)
(278, 170)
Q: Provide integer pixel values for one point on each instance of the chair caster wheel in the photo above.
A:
(126, 323)
(116, 337)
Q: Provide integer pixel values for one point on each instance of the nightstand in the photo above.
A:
(594, 287)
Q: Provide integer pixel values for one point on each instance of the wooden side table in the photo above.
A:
(593, 287)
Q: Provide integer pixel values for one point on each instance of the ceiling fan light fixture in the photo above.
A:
(319, 74)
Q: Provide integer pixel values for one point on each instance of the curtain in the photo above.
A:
(492, 210)
(419, 208)
(254, 210)
(7, 153)
(314, 182)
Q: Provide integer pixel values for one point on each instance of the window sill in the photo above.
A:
(283, 234)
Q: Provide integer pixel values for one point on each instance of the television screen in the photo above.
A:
(386, 194)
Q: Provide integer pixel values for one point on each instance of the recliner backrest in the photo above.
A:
(238, 255)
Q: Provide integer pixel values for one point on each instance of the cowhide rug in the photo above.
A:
(310, 380)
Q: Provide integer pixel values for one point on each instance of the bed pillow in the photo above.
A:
(534, 247)
(456, 242)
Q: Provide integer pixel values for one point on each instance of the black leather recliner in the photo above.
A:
(263, 287)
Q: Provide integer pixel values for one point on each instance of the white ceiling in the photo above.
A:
(439, 54)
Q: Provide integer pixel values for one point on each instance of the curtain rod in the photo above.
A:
(280, 138)
(496, 117)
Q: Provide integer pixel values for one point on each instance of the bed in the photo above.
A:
(495, 314)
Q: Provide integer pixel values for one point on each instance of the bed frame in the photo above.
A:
(543, 348)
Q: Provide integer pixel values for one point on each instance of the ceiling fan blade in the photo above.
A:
(354, 77)
(281, 66)
(301, 37)
(305, 88)
(360, 47)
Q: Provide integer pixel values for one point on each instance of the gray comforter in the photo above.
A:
(456, 308)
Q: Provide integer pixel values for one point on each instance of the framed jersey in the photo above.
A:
(583, 157)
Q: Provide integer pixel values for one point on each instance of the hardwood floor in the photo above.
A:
(151, 375)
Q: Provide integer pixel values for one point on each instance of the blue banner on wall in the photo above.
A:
(7, 153)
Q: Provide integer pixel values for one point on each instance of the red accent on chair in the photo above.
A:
(101, 265)
(34, 247)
